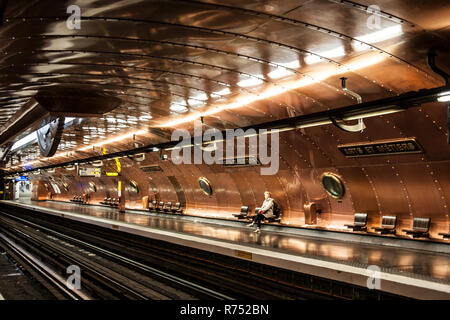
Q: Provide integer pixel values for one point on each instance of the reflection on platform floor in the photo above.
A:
(415, 263)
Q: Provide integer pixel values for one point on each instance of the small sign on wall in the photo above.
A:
(380, 148)
(90, 172)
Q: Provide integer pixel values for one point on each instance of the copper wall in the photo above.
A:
(408, 186)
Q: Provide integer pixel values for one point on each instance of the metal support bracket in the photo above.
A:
(49, 137)
(432, 64)
(360, 126)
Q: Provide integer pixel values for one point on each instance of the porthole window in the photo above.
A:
(92, 187)
(333, 185)
(205, 186)
(134, 186)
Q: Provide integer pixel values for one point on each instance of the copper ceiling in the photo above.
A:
(237, 63)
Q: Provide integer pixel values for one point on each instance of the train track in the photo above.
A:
(46, 253)
(179, 272)
(46, 275)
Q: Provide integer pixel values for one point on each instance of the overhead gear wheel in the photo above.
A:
(49, 137)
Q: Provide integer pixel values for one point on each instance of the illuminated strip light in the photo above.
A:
(444, 97)
(250, 82)
(32, 137)
(333, 53)
(222, 92)
(379, 36)
(314, 123)
(65, 154)
(112, 140)
(280, 73)
(355, 117)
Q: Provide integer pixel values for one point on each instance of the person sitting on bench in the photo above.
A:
(265, 212)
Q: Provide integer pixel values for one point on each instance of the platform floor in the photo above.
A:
(417, 264)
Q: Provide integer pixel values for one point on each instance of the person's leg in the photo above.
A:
(260, 217)
(253, 221)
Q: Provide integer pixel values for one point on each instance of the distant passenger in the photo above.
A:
(265, 212)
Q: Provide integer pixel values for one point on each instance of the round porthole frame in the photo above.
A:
(92, 186)
(336, 179)
(134, 187)
(209, 191)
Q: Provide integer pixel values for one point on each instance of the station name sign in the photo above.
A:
(89, 172)
(379, 148)
(21, 178)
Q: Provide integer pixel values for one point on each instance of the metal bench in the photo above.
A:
(420, 228)
(388, 224)
(168, 207)
(160, 206)
(77, 199)
(177, 208)
(243, 214)
(274, 219)
(106, 201)
(153, 205)
(359, 222)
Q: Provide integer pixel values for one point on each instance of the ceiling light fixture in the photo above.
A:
(178, 108)
(222, 92)
(444, 97)
(250, 82)
(280, 73)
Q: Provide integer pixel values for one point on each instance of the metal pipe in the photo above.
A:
(360, 126)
